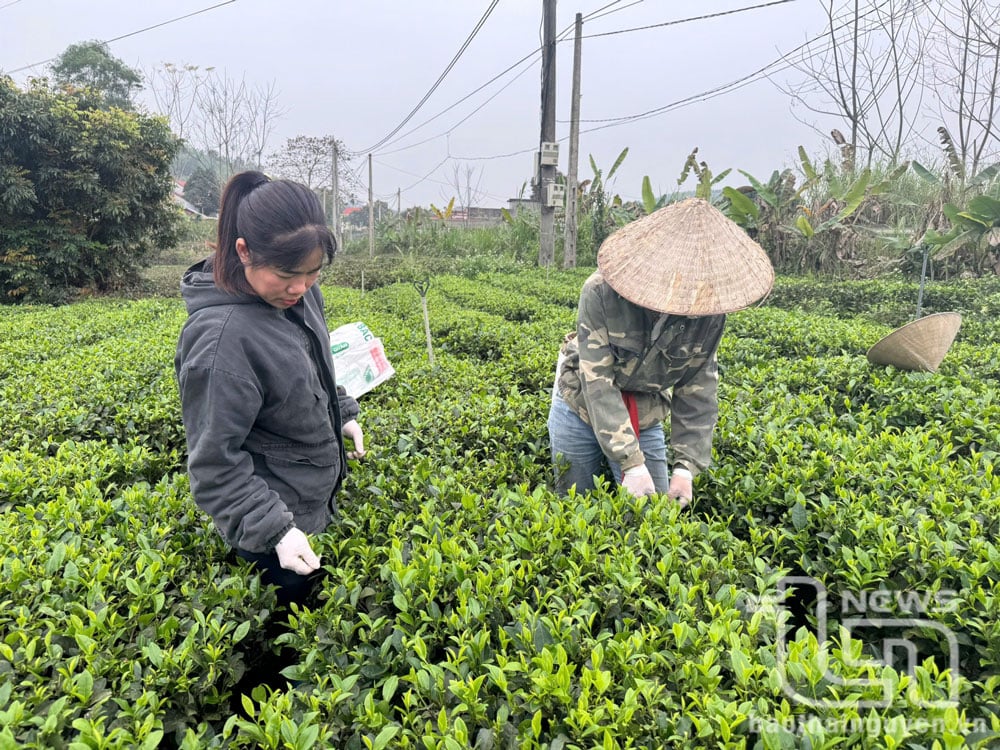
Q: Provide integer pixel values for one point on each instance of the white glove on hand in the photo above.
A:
(638, 481)
(352, 431)
(681, 487)
(295, 554)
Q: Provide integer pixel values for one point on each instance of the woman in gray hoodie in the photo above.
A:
(263, 416)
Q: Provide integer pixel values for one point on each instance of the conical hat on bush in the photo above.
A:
(687, 258)
(920, 345)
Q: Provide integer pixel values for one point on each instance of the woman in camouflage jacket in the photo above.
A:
(648, 329)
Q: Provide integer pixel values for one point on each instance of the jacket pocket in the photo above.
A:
(626, 349)
(325, 453)
(303, 474)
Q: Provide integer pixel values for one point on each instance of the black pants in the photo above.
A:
(292, 587)
(264, 668)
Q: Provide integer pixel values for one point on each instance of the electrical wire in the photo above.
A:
(784, 61)
(593, 15)
(534, 53)
(132, 33)
(689, 20)
(437, 83)
(600, 12)
(460, 101)
(781, 63)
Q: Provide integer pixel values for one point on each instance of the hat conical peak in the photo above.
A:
(687, 258)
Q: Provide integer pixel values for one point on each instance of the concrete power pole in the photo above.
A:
(569, 248)
(336, 199)
(547, 172)
(371, 212)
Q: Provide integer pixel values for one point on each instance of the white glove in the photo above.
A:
(295, 554)
(352, 431)
(681, 486)
(638, 481)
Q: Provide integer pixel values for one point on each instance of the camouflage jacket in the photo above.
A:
(668, 361)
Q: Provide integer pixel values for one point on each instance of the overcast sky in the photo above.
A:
(357, 69)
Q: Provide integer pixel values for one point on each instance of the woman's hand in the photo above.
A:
(681, 488)
(295, 554)
(352, 431)
(638, 481)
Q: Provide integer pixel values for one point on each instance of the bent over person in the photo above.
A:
(645, 348)
(263, 416)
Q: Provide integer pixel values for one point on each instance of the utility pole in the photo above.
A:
(547, 172)
(569, 246)
(336, 199)
(371, 212)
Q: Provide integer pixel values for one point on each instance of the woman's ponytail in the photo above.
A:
(227, 268)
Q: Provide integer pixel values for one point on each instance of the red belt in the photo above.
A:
(633, 410)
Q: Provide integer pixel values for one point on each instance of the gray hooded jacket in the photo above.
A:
(262, 412)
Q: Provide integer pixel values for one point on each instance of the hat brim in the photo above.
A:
(919, 345)
(687, 258)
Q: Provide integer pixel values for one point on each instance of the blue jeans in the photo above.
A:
(578, 458)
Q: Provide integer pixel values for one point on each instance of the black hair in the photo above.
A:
(281, 221)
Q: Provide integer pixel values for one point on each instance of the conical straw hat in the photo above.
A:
(920, 345)
(687, 258)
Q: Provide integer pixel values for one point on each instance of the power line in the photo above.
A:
(688, 20)
(613, 122)
(617, 120)
(499, 75)
(593, 15)
(460, 101)
(437, 83)
(132, 33)
(783, 61)
(600, 12)
(464, 119)
(7, 5)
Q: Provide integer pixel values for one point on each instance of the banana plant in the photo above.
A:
(774, 202)
(706, 180)
(595, 200)
(445, 214)
(977, 226)
(650, 202)
(849, 201)
(704, 189)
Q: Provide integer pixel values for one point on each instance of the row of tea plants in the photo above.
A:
(466, 605)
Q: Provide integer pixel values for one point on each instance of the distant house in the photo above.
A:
(177, 196)
(522, 204)
(475, 217)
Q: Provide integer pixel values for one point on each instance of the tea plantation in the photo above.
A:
(836, 582)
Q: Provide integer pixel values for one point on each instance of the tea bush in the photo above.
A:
(466, 605)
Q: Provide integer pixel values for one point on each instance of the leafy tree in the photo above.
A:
(91, 65)
(85, 192)
(203, 190)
